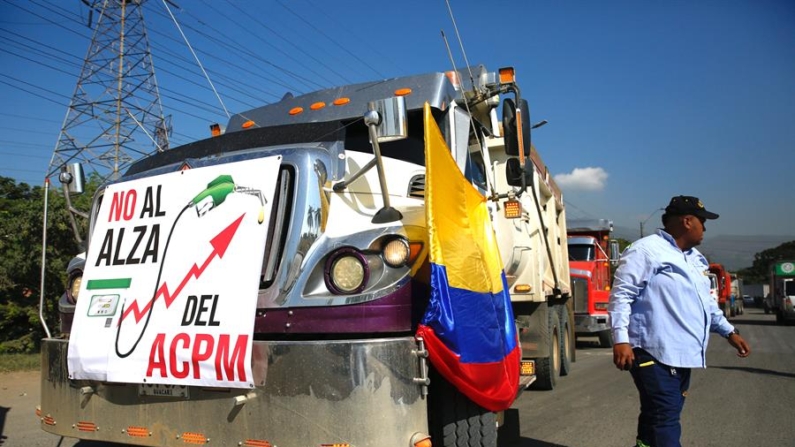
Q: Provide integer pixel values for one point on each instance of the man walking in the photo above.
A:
(661, 314)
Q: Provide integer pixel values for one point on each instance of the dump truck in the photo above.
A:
(591, 255)
(287, 280)
(725, 301)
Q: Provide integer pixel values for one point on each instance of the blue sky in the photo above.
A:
(645, 99)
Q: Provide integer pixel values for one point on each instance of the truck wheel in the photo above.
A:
(454, 420)
(548, 369)
(606, 339)
(565, 341)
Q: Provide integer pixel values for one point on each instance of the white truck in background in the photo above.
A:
(782, 291)
(737, 292)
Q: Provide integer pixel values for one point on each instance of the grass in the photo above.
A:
(19, 362)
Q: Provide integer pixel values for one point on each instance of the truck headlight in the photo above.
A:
(73, 286)
(396, 252)
(346, 271)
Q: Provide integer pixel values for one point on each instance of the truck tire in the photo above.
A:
(454, 420)
(548, 369)
(606, 339)
(565, 341)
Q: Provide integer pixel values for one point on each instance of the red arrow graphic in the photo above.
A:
(220, 243)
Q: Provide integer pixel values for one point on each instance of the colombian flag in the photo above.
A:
(468, 327)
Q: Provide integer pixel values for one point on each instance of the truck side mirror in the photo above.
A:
(393, 124)
(73, 179)
(614, 252)
(509, 126)
(514, 172)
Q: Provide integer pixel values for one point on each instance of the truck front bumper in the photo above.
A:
(589, 324)
(355, 392)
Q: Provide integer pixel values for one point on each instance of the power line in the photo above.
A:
(319, 31)
(14, 154)
(301, 50)
(29, 91)
(225, 45)
(363, 42)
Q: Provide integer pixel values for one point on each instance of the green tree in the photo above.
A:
(759, 270)
(21, 219)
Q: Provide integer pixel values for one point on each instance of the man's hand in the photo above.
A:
(743, 350)
(623, 357)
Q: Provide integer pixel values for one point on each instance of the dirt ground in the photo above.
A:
(19, 426)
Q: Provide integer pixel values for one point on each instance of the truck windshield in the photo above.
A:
(581, 253)
(411, 149)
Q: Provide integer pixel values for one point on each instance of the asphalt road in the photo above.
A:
(734, 402)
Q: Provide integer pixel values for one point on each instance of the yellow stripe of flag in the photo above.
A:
(462, 238)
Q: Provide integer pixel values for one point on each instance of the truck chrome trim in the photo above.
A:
(364, 389)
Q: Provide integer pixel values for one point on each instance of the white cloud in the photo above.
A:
(583, 179)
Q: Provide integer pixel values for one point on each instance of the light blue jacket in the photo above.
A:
(660, 302)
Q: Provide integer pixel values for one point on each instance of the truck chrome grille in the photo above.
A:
(579, 288)
(277, 231)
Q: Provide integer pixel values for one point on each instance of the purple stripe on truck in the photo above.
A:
(392, 313)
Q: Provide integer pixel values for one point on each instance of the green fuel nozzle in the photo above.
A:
(216, 192)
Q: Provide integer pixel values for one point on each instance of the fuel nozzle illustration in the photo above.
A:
(217, 191)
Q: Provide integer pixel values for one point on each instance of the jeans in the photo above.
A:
(662, 391)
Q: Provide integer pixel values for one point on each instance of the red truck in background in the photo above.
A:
(591, 253)
(724, 288)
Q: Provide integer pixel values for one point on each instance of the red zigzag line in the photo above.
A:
(195, 272)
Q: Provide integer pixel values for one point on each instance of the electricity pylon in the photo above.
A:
(115, 116)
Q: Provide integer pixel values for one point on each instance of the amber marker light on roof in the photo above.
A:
(248, 124)
(317, 105)
(341, 101)
(403, 92)
(452, 76)
(215, 130)
(296, 110)
(507, 75)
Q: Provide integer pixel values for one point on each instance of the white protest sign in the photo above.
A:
(169, 290)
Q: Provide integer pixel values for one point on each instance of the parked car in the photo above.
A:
(748, 300)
